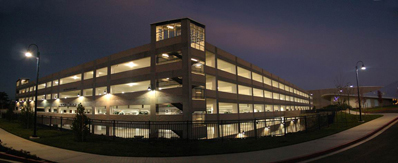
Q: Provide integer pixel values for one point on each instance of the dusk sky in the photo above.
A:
(308, 43)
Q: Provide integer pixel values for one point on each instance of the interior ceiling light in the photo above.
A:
(170, 27)
(131, 64)
(131, 84)
(165, 55)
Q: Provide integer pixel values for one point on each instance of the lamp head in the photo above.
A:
(363, 67)
(28, 54)
(351, 86)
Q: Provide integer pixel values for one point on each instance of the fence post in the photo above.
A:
(327, 118)
(305, 123)
(149, 129)
(222, 132)
(187, 130)
(42, 119)
(89, 126)
(50, 121)
(255, 128)
(114, 129)
(319, 121)
(284, 124)
(218, 128)
(92, 126)
(61, 123)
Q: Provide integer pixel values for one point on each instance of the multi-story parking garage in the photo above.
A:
(176, 77)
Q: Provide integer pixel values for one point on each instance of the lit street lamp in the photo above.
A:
(29, 54)
(359, 99)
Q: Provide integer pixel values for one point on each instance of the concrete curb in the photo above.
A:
(320, 153)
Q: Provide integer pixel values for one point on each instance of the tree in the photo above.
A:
(26, 117)
(10, 115)
(4, 101)
(80, 124)
(380, 97)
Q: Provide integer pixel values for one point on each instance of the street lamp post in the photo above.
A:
(348, 86)
(359, 99)
(309, 101)
(29, 54)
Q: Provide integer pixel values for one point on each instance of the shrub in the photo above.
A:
(9, 115)
(80, 124)
(335, 107)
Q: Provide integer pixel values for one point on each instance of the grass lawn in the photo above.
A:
(385, 109)
(167, 148)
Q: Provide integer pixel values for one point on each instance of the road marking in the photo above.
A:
(9, 161)
(352, 146)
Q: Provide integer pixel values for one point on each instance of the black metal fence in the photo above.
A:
(225, 129)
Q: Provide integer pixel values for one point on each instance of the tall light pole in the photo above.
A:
(359, 99)
(309, 99)
(29, 54)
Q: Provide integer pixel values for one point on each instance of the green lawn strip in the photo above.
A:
(167, 148)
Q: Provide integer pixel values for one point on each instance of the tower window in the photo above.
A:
(197, 37)
(168, 31)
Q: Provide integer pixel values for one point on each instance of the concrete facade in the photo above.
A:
(188, 83)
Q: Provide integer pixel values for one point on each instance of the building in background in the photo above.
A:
(369, 96)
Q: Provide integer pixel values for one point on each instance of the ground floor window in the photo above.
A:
(169, 109)
(40, 109)
(100, 110)
(88, 110)
(131, 110)
(168, 134)
(67, 110)
(229, 129)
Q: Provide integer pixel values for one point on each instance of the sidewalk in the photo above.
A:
(270, 155)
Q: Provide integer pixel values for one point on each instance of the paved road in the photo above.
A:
(7, 161)
(383, 148)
